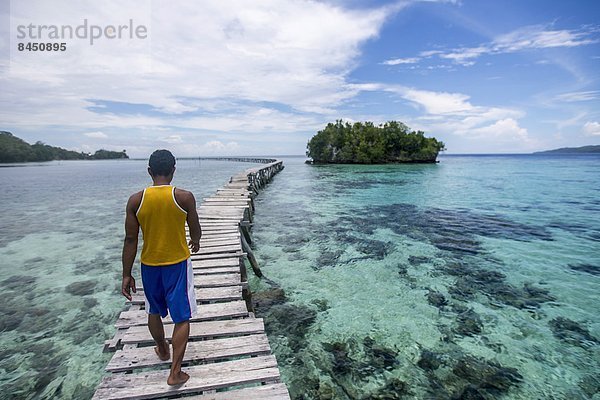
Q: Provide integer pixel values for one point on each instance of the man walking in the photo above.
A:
(162, 210)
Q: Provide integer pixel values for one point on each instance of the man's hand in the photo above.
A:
(127, 286)
(194, 246)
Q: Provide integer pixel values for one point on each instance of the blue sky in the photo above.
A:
(258, 78)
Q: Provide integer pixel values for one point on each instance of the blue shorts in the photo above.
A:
(170, 287)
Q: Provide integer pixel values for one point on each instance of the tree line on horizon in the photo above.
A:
(367, 143)
(14, 149)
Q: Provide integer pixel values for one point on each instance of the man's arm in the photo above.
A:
(132, 228)
(188, 203)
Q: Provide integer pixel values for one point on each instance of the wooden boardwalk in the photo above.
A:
(228, 356)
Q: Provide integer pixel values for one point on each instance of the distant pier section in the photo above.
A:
(253, 160)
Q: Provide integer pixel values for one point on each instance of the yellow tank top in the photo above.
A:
(163, 227)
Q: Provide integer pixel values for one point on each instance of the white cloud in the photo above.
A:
(296, 55)
(525, 38)
(592, 128)
(96, 135)
(218, 145)
(465, 56)
(479, 128)
(172, 139)
(538, 37)
(398, 61)
(439, 102)
(506, 129)
(579, 96)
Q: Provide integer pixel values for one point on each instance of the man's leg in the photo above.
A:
(157, 331)
(181, 334)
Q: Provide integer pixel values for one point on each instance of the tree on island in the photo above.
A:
(14, 149)
(366, 143)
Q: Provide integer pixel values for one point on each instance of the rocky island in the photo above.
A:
(14, 149)
(367, 143)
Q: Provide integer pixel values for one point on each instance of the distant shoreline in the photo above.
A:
(590, 149)
(536, 154)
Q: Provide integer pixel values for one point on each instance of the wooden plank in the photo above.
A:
(224, 262)
(211, 229)
(214, 221)
(209, 233)
(232, 190)
(199, 330)
(217, 270)
(215, 196)
(219, 231)
(209, 205)
(220, 242)
(111, 344)
(223, 200)
(216, 256)
(220, 216)
(228, 193)
(202, 377)
(276, 391)
(203, 295)
(223, 225)
(219, 293)
(222, 229)
(221, 209)
(215, 235)
(217, 280)
(218, 205)
(232, 194)
(206, 350)
(232, 309)
(219, 249)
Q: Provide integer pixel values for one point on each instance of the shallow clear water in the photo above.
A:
(61, 232)
(474, 278)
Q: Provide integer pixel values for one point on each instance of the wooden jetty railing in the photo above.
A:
(228, 356)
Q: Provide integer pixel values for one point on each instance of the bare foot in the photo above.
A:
(163, 352)
(178, 379)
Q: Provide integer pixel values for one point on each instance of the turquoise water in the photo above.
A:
(61, 232)
(476, 278)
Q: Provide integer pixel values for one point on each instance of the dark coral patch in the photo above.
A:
(429, 360)
(587, 268)
(416, 260)
(484, 377)
(471, 280)
(572, 332)
(19, 282)
(290, 321)
(263, 301)
(468, 323)
(81, 288)
(436, 299)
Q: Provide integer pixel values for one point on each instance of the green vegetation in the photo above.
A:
(13, 149)
(572, 150)
(365, 143)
